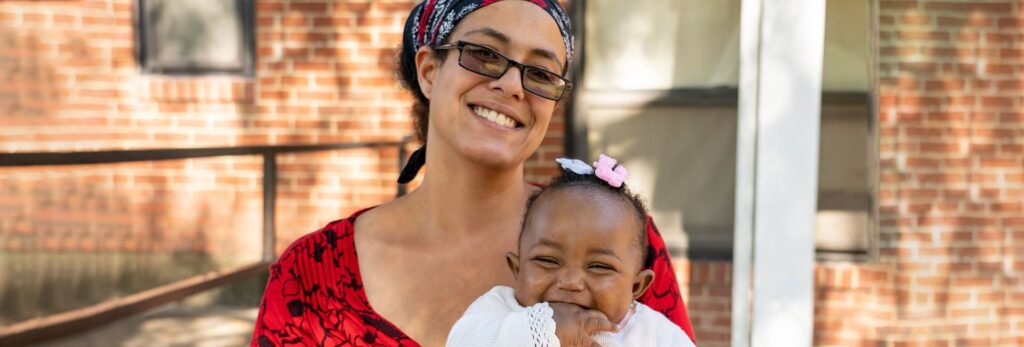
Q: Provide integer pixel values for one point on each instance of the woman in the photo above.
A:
(487, 75)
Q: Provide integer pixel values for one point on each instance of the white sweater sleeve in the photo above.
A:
(497, 319)
(646, 328)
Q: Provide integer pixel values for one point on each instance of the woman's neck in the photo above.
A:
(459, 198)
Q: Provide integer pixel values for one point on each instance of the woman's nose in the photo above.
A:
(511, 83)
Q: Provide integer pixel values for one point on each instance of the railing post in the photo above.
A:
(269, 201)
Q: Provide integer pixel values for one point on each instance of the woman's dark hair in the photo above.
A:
(572, 180)
(407, 77)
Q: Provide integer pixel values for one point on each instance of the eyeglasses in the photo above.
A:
(490, 63)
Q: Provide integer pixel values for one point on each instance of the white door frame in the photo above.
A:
(781, 50)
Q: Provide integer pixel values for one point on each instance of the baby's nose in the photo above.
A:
(571, 280)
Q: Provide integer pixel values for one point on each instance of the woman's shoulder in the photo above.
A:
(334, 237)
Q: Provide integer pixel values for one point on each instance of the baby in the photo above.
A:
(581, 250)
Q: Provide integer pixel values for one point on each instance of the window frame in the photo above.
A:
(247, 14)
(576, 125)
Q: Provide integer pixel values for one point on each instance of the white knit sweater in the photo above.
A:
(497, 319)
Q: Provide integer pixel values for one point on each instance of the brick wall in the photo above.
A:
(952, 170)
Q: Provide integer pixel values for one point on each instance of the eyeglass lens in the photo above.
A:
(489, 63)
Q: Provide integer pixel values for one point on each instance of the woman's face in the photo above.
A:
(493, 122)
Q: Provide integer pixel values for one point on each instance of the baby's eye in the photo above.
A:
(601, 267)
(547, 262)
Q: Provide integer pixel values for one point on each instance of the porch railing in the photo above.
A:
(63, 324)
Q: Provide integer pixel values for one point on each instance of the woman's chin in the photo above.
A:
(496, 160)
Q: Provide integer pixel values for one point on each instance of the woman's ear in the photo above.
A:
(426, 69)
(641, 282)
(513, 263)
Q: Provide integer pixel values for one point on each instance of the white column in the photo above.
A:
(781, 48)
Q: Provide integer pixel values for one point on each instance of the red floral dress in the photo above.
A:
(315, 296)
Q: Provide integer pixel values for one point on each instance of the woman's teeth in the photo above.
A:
(495, 117)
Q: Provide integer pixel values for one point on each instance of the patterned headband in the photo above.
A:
(432, 21)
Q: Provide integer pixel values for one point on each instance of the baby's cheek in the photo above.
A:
(531, 289)
(613, 298)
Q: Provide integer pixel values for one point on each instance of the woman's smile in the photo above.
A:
(496, 117)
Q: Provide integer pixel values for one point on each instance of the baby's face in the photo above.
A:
(579, 247)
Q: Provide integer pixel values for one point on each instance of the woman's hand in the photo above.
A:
(574, 325)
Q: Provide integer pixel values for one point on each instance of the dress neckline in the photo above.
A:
(361, 291)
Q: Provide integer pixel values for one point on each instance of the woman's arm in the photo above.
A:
(663, 295)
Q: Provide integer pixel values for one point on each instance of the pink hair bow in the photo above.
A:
(606, 169)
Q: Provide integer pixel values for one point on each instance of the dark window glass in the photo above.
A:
(195, 36)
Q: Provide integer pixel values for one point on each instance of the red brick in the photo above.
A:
(909, 35)
(915, 19)
(919, 67)
(312, 6)
(968, 7)
(969, 21)
(944, 85)
(399, 7)
(1002, 163)
(265, 6)
(945, 116)
(374, 21)
(999, 68)
(940, 147)
(294, 20)
(346, 7)
(332, 22)
(899, 5)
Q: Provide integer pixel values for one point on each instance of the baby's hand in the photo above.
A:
(574, 325)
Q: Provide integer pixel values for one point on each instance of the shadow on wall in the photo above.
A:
(73, 239)
(30, 88)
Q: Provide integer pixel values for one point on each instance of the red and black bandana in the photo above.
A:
(432, 21)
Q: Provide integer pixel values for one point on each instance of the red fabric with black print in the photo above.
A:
(315, 296)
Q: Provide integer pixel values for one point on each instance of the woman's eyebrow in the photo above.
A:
(501, 37)
(546, 54)
(497, 35)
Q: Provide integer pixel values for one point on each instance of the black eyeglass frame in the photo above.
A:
(460, 45)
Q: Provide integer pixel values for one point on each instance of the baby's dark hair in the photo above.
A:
(569, 179)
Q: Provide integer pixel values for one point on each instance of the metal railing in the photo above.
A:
(63, 324)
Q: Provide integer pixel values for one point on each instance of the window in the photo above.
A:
(658, 88)
(195, 36)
